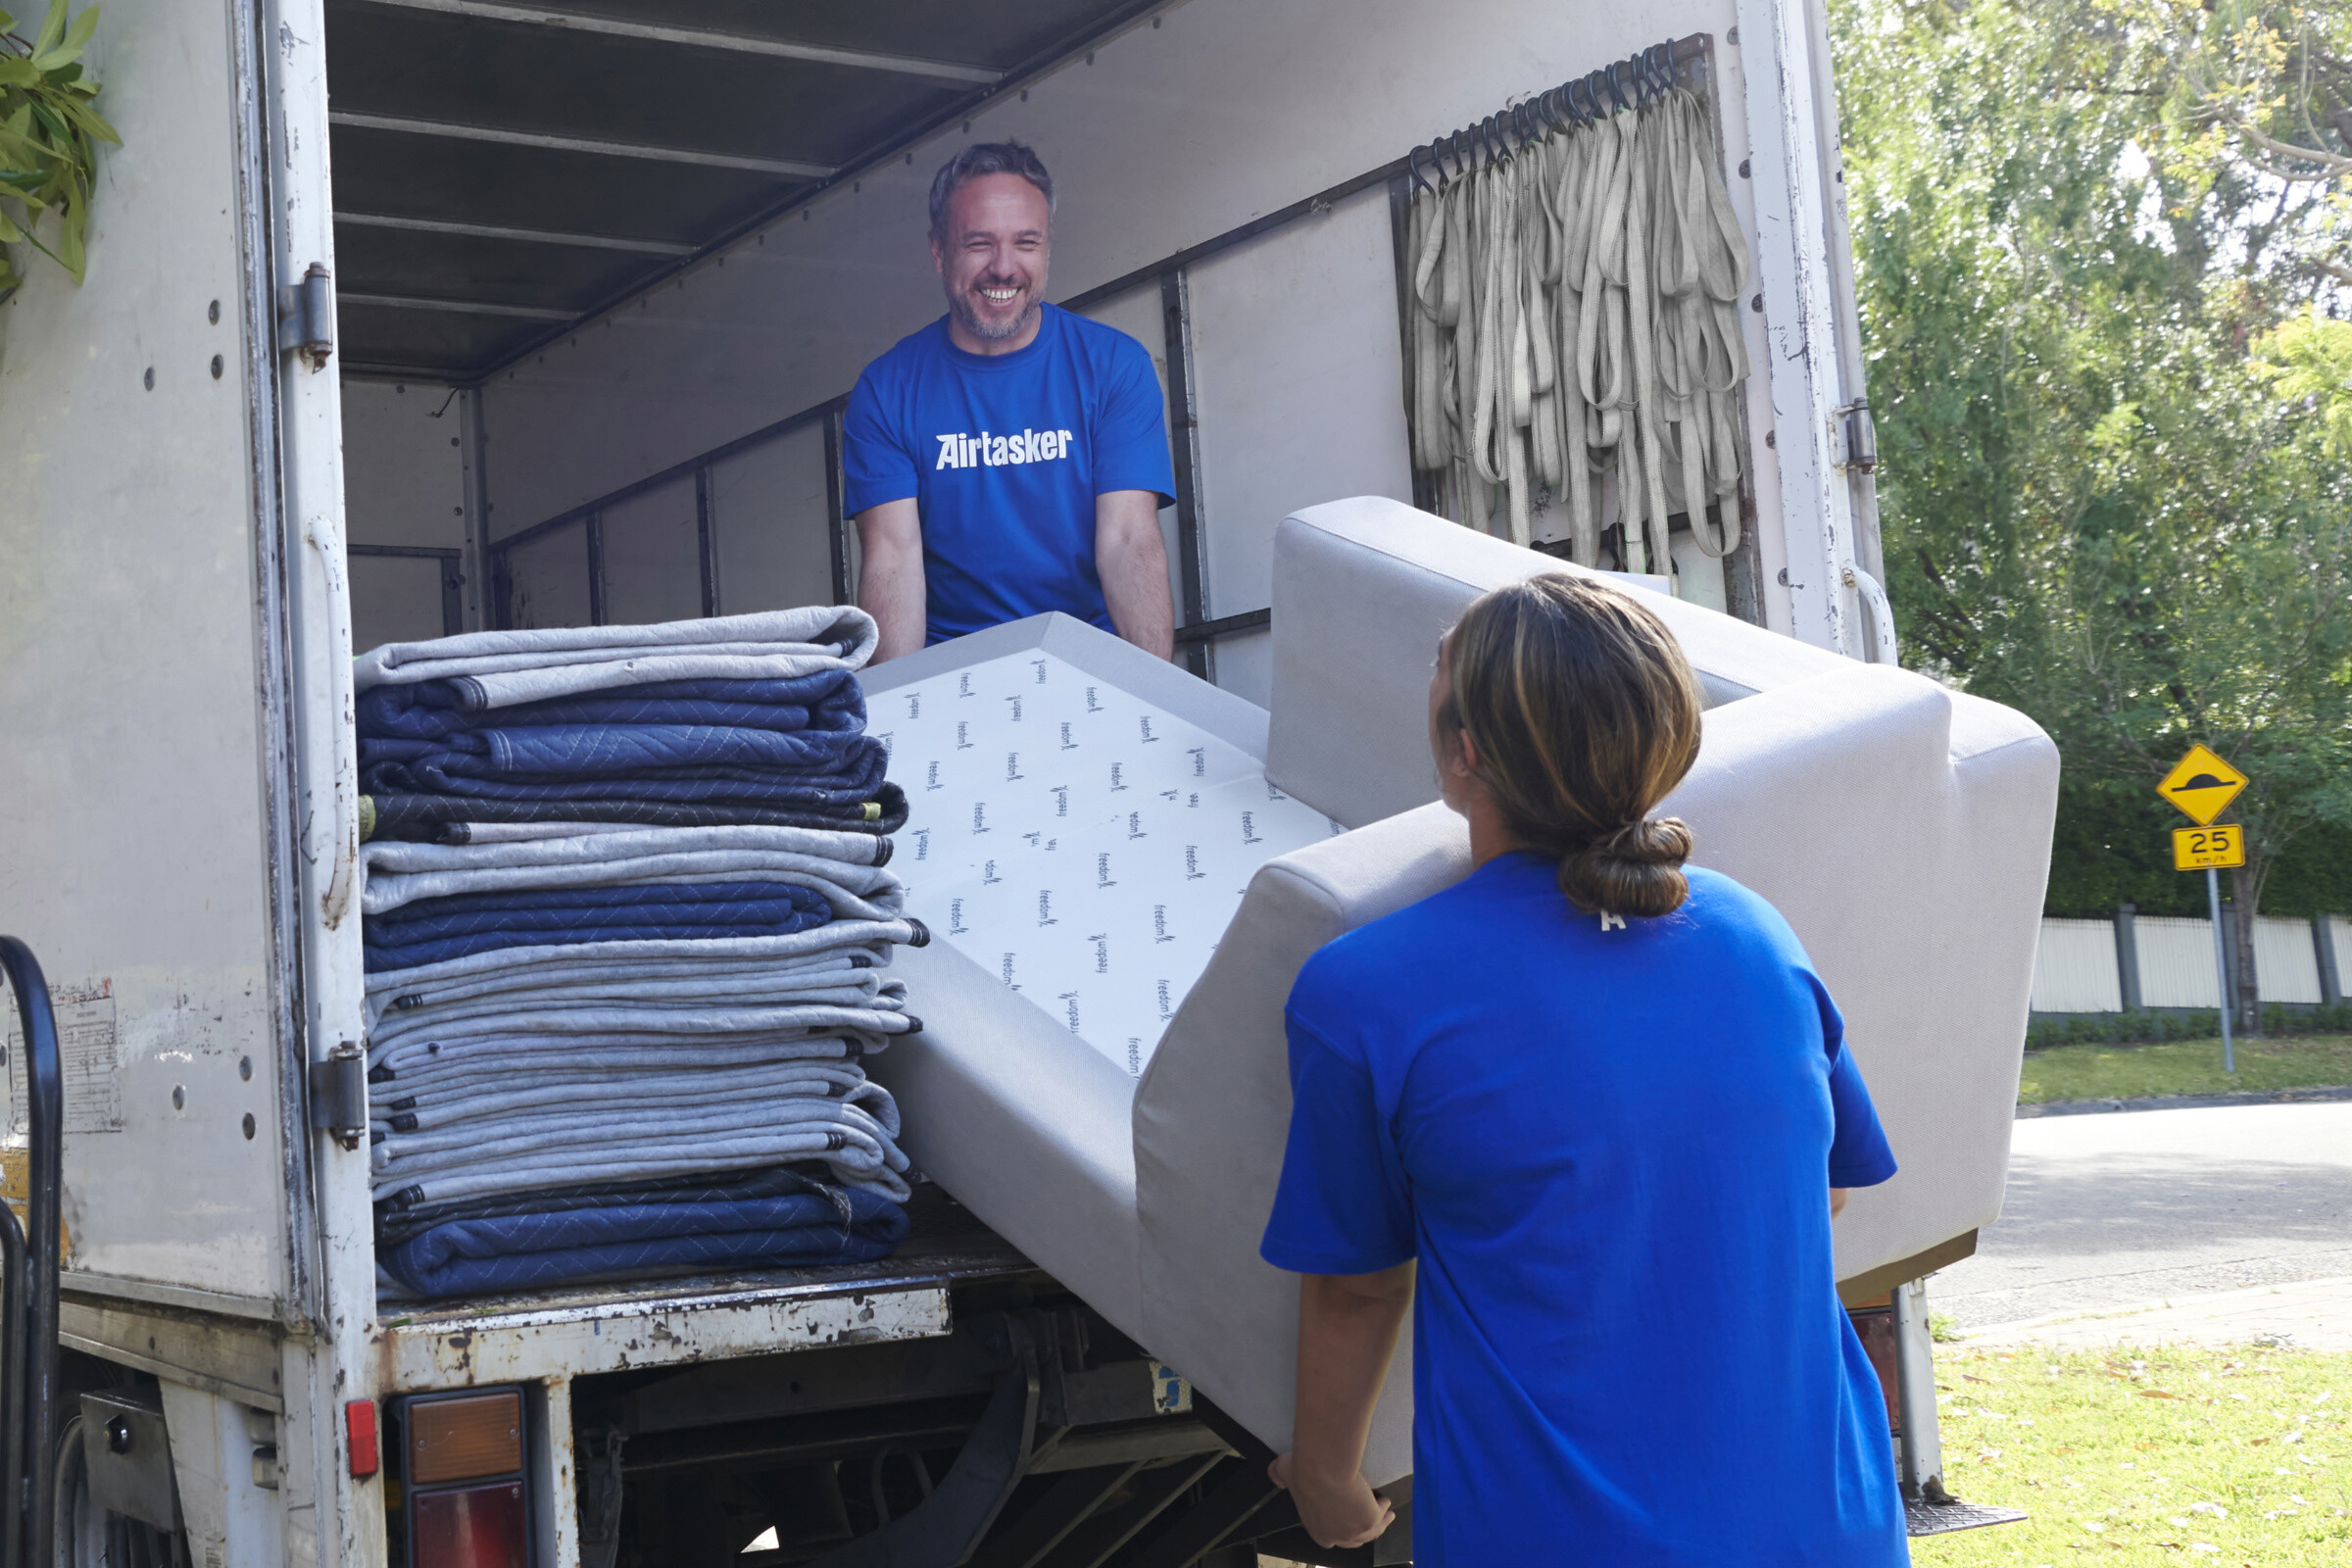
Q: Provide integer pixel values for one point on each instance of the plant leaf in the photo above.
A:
(9, 233)
(53, 28)
(77, 37)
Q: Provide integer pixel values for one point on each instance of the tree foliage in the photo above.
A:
(2113, 403)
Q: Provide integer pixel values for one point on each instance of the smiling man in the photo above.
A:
(1008, 458)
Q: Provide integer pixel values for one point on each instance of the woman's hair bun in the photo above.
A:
(1638, 869)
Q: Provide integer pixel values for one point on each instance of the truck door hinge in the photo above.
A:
(1860, 443)
(306, 317)
(339, 1095)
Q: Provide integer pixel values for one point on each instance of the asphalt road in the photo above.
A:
(2117, 1210)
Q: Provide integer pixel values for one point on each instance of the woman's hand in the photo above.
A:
(1338, 1510)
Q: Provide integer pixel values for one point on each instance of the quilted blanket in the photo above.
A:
(570, 1242)
(460, 818)
(430, 930)
(827, 702)
(505, 668)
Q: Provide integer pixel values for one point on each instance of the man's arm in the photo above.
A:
(1134, 567)
(1347, 1326)
(890, 575)
(1837, 1202)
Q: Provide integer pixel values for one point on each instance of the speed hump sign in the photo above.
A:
(2205, 849)
(2201, 785)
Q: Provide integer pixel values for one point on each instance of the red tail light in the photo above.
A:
(475, 1527)
(466, 1467)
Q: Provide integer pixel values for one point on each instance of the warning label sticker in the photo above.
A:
(90, 1054)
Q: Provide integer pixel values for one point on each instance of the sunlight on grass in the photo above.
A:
(2183, 1067)
(2132, 1457)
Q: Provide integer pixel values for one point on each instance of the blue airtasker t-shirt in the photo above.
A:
(1005, 456)
(1611, 1154)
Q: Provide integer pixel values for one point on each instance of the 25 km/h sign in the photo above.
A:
(2201, 849)
(2201, 785)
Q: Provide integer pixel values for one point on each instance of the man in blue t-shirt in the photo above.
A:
(1011, 458)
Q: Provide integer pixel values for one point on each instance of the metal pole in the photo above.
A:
(2221, 967)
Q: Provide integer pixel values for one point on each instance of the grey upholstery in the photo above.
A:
(1902, 828)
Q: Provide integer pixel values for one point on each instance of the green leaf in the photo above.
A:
(78, 37)
(17, 72)
(53, 29)
(9, 233)
(88, 119)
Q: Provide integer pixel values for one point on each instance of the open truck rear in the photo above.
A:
(414, 316)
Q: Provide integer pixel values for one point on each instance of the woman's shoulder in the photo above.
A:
(1736, 912)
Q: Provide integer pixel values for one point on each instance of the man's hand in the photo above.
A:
(890, 575)
(1338, 1510)
(1133, 563)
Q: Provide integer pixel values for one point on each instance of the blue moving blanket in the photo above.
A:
(682, 762)
(830, 703)
(432, 930)
(534, 1250)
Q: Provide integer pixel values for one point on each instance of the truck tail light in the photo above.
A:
(471, 1527)
(464, 1480)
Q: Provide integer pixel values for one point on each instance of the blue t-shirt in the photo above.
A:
(1005, 456)
(1611, 1154)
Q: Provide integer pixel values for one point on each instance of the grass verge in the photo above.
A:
(2167, 1456)
(2182, 1068)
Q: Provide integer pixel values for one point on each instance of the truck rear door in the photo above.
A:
(169, 521)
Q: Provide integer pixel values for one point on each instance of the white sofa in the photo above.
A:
(1902, 828)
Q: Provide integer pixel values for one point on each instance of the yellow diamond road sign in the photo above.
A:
(2201, 785)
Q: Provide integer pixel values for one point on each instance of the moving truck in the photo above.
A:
(406, 318)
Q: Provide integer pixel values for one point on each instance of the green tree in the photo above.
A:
(2112, 486)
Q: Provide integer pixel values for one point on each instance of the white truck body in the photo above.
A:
(212, 496)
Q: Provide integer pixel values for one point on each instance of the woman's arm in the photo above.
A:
(1347, 1327)
(1837, 1202)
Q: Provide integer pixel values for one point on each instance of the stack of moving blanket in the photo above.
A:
(625, 917)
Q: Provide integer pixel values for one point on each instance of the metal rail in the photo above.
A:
(30, 1256)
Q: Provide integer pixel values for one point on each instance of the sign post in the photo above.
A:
(2202, 786)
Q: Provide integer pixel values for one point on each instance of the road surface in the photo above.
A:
(2106, 1212)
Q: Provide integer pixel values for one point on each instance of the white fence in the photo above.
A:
(2080, 965)
(2175, 963)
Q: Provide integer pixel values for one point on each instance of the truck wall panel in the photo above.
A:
(769, 504)
(404, 484)
(653, 557)
(1294, 413)
(548, 579)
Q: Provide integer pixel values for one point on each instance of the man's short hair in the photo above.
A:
(985, 158)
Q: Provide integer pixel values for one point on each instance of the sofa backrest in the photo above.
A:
(1901, 828)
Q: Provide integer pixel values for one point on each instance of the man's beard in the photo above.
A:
(967, 315)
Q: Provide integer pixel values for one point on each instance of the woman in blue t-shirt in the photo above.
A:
(1590, 1111)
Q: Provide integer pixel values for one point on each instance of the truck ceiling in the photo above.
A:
(505, 171)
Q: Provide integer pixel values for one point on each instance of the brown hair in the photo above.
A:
(1586, 715)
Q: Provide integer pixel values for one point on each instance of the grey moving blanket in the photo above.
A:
(501, 669)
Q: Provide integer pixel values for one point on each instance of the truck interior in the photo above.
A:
(604, 273)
